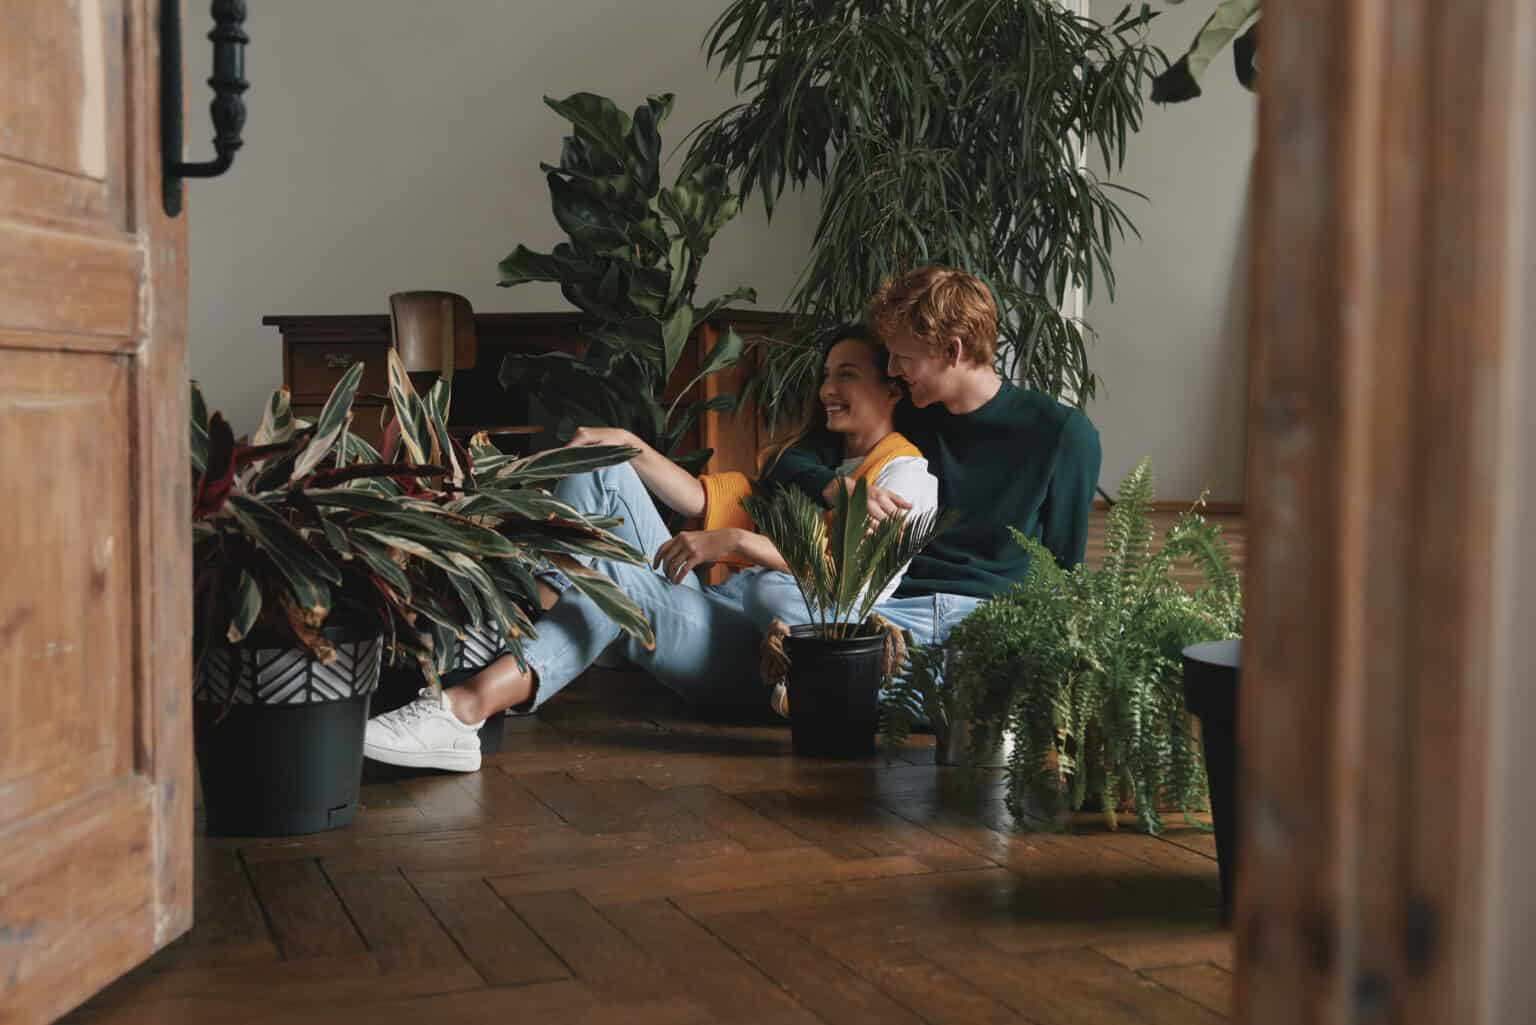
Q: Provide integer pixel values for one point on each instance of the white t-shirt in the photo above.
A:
(908, 476)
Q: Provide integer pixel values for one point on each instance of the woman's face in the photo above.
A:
(857, 397)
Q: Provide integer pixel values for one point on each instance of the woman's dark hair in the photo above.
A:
(811, 428)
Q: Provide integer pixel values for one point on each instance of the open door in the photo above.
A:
(95, 617)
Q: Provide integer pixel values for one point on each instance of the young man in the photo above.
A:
(1005, 457)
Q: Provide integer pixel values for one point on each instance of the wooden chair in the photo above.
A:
(434, 332)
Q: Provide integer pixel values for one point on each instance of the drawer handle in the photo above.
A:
(337, 361)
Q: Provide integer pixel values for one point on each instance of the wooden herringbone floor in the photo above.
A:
(624, 862)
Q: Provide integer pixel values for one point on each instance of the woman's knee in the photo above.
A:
(773, 595)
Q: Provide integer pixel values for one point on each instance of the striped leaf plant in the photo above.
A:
(305, 524)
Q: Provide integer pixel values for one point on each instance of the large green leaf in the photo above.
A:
(645, 150)
(585, 218)
(330, 424)
(700, 206)
(523, 265)
(598, 121)
(439, 400)
(558, 463)
(1182, 80)
(674, 337)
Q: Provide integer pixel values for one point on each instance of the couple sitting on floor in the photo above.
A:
(969, 440)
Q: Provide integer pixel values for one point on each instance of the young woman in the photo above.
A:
(706, 643)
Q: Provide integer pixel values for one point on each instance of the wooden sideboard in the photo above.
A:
(317, 350)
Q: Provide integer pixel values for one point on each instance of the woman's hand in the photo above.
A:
(883, 503)
(589, 436)
(694, 548)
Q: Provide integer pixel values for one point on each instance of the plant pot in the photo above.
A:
(279, 737)
(834, 687)
(952, 743)
(1211, 674)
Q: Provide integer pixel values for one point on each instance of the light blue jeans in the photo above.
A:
(928, 618)
(706, 646)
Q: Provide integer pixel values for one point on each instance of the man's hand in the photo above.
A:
(694, 548)
(883, 503)
(588, 436)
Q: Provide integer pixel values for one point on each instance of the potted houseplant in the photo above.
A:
(1084, 669)
(631, 266)
(948, 133)
(835, 666)
(315, 556)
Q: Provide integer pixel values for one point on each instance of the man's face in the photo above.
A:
(923, 370)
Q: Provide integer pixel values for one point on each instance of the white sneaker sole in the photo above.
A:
(450, 761)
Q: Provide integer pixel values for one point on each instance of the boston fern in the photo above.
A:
(306, 524)
(945, 133)
(632, 267)
(1083, 668)
(839, 562)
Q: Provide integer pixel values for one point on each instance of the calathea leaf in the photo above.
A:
(410, 416)
(330, 424)
(607, 596)
(199, 417)
(245, 606)
(276, 420)
(304, 569)
(213, 488)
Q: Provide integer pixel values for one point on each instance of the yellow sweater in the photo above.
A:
(723, 492)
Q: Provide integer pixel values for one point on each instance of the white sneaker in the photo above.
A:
(424, 734)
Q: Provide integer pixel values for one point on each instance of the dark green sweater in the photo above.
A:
(1022, 460)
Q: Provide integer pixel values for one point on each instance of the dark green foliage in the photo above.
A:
(1083, 668)
(631, 266)
(939, 133)
(1181, 81)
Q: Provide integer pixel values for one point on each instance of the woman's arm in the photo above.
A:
(694, 548)
(677, 489)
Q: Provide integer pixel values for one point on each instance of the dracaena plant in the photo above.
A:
(938, 133)
(840, 562)
(1083, 668)
(631, 266)
(306, 525)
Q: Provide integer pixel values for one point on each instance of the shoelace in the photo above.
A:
(424, 705)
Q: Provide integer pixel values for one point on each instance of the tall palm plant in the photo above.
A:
(841, 563)
(939, 132)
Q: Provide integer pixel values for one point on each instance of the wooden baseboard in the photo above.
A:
(1175, 505)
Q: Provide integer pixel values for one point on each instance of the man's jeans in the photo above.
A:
(928, 618)
(706, 646)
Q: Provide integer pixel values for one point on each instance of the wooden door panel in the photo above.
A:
(95, 624)
(65, 618)
(64, 123)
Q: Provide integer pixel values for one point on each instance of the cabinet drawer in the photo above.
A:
(315, 367)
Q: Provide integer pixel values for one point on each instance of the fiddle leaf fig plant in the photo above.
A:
(631, 266)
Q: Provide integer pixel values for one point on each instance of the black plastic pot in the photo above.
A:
(834, 688)
(283, 755)
(1211, 673)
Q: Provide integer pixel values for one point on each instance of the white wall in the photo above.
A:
(395, 144)
(1172, 348)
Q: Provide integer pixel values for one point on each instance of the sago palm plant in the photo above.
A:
(840, 562)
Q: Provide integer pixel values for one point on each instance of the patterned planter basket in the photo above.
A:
(288, 676)
(479, 648)
(279, 736)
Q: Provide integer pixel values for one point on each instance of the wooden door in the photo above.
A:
(1387, 248)
(95, 743)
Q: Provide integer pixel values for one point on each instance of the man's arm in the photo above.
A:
(1069, 497)
(802, 468)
